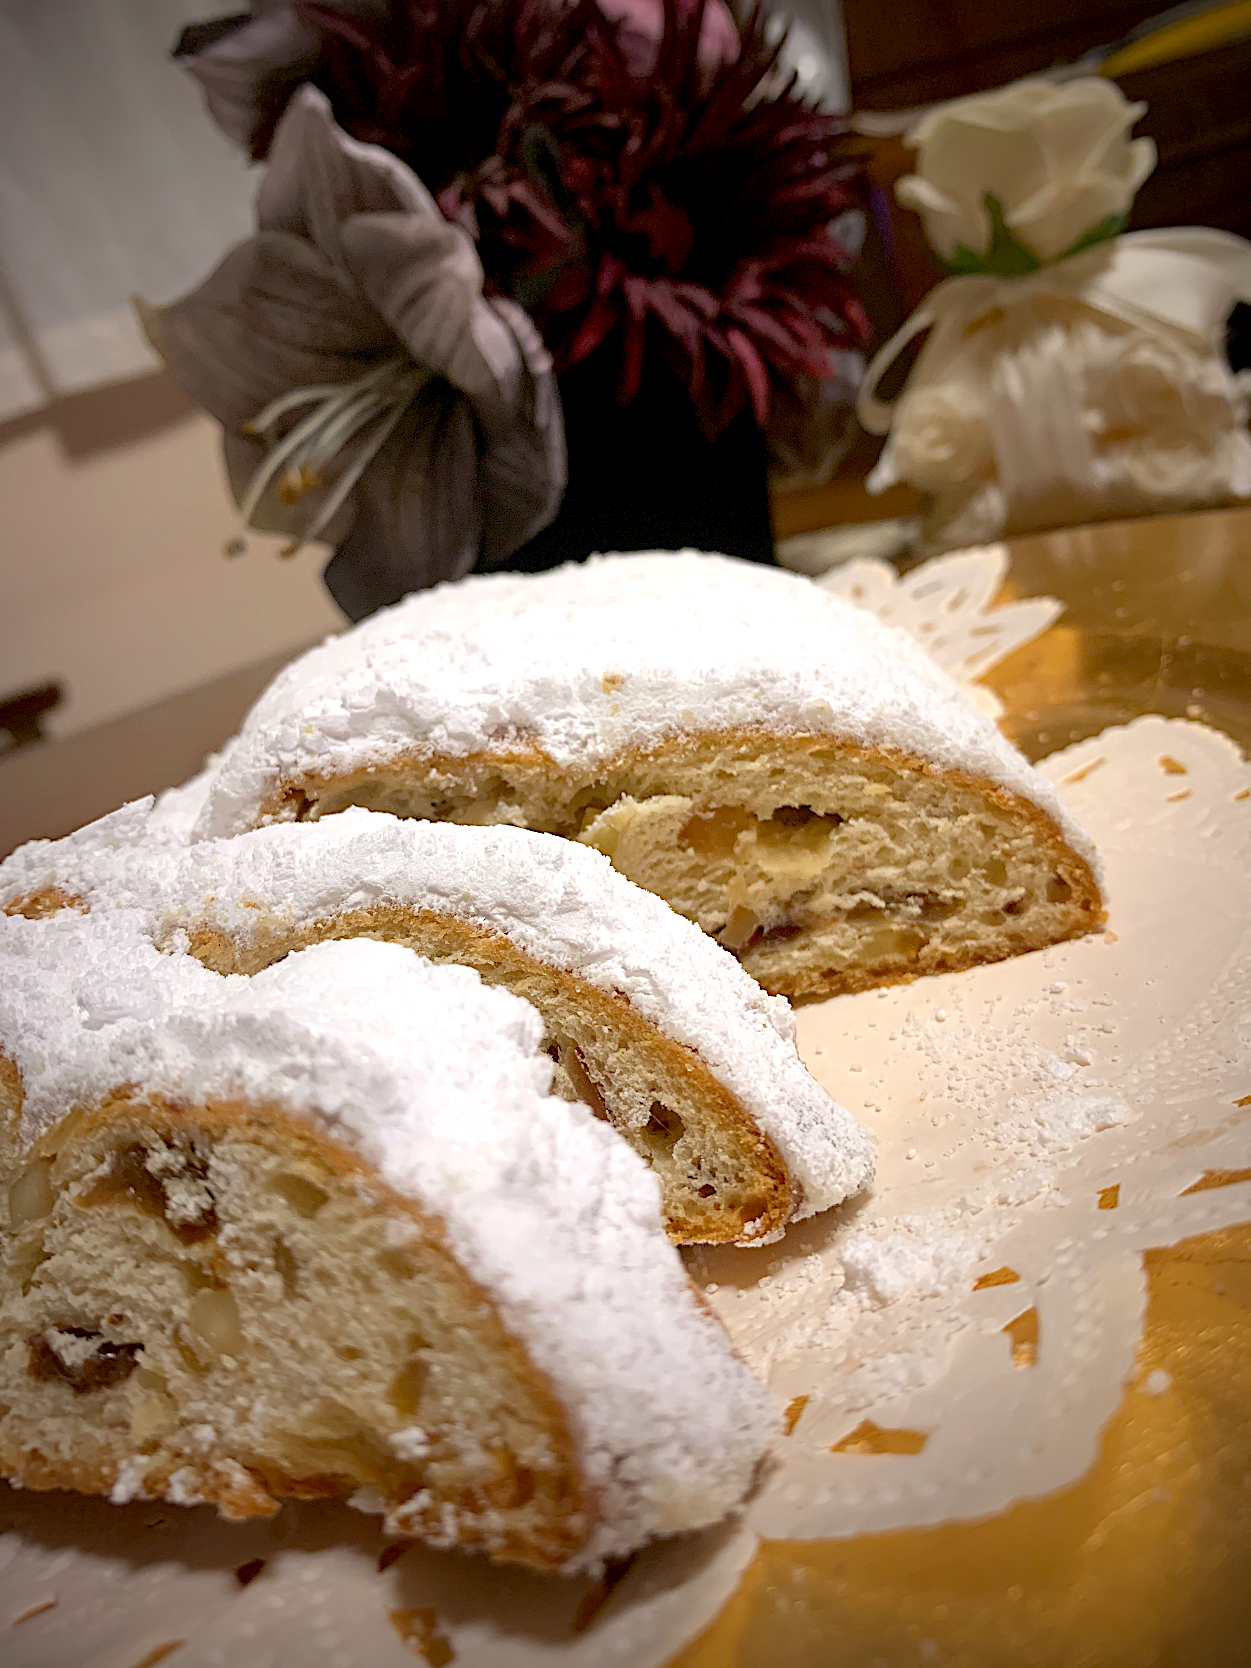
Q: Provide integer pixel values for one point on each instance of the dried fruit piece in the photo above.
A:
(419, 1629)
(84, 1360)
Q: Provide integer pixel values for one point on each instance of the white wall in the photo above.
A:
(112, 577)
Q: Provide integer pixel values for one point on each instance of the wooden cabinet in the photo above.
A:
(922, 51)
(1199, 115)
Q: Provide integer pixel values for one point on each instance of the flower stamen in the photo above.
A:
(298, 462)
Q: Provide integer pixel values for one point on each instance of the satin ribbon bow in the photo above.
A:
(1181, 283)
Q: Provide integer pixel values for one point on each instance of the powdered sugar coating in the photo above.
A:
(177, 810)
(92, 854)
(354, 1036)
(561, 902)
(597, 658)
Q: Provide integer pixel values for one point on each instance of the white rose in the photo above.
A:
(939, 437)
(1145, 386)
(1172, 420)
(1164, 420)
(1059, 159)
(1182, 475)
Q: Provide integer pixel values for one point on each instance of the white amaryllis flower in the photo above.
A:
(1058, 160)
(370, 394)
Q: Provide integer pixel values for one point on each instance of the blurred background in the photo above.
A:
(128, 644)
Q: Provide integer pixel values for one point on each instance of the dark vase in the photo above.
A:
(644, 477)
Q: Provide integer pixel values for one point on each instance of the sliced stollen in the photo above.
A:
(652, 1024)
(800, 780)
(325, 1231)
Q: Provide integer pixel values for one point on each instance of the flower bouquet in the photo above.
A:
(530, 278)
(1072, 371)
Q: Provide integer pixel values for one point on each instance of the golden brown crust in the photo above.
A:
(45, 901)
(251, 1485)
(1089, 915)
(498, 960)
(12, 1096)
(819, 987)
(236, 1492)
(772, 1196)
(298, 799)
(569, 795)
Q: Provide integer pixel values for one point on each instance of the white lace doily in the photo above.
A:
(1009, 1103)
(946, 604)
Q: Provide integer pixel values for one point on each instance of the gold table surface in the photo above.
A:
(1144, 1562)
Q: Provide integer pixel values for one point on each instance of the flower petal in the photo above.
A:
(419, 510)
(272, 317)
(423, 277)
(1053, 220)
(243, 456)
(754, 371)
(525, 467)
(249, 73)
(1126, 163)
(318, 177)
(1056, 157)
(966, 159)
(949, 222)
(1082, 118)
(373, 219)
(922, 196)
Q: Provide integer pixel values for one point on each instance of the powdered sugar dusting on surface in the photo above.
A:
(923, 1263)
(439, 1082)
(561, 902)
(177, 810)
(899, 1266)
(597, 658)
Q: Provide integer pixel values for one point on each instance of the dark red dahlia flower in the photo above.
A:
(439, 81)
(642, 181)
(698, 212)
